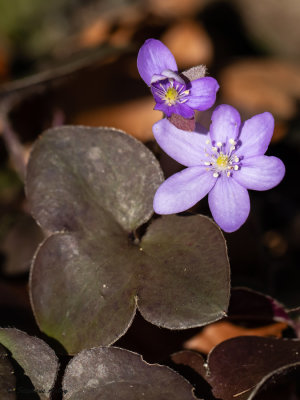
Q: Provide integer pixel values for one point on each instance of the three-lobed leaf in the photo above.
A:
(91, 188)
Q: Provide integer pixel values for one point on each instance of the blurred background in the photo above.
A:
(74, 62)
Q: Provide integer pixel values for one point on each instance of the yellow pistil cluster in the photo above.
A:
(221, 162)
(171, 96)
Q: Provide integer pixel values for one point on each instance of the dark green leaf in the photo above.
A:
(36, 358)
(7, 377)
(111, 373)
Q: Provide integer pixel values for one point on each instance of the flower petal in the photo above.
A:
(187, 148)
(167, 74)
(256, 134)
(183, 190)
(202, 93)
(173, 75)
(225, 124)
(154, 58)
(178, 108)
(229, 203)
(260, 173)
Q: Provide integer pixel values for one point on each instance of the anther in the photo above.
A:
(236, 167)
(215, 175)
(232, 141)
(219, 144)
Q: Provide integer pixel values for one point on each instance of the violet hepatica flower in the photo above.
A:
(173, 93)
(222, 163)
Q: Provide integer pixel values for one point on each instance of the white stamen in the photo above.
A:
(221, 162)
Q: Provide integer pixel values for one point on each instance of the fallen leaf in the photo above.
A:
(189, 43)
(256, 86)
(218, 332)
(175, 8)
(135, 117)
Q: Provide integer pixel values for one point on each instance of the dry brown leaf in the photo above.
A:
(262, 85)
(216, 333)
(134, 117)
(189, 43)
(175, 8)
(95, 33)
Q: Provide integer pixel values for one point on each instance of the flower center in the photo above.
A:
(221, 161)
(170, 92)
(171, 96)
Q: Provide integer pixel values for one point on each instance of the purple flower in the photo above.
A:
(173, 93)
(223, 163)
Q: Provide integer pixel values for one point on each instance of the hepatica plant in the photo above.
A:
(91, 190)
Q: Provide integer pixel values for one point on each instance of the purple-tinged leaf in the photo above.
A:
(190, 359)
(112, 373)
(87, 171)
(36, 358)
(83, 290)
(238, 365)
(247, 305)
(90, 188)
(187, 284)
(279, 384)
(7, 377)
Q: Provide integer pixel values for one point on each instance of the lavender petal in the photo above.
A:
(260, 173)
(229, 203)
(225, 124)
(181, 109)
(256, 134)
(187, 148)
(154, 58)
(203, 93)
(183, 190)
